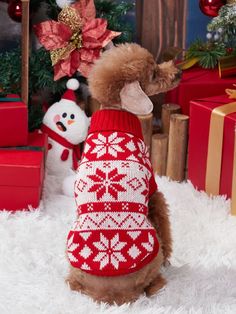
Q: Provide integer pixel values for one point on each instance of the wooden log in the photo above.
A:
(146, 124)
(25, 51)
(167, 111)
(159, 153)
(177, 147)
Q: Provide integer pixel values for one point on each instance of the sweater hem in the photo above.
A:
(122, 272)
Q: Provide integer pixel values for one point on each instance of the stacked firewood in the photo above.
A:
(168, 149)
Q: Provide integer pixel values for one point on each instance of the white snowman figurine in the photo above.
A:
(67, 126)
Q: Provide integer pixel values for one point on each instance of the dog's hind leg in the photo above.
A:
(158, 214)
(73, 281)
(156, 284)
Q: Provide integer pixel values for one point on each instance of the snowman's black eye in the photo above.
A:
(72, 116)
(64, 115)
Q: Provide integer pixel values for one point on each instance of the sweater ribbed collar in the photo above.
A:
(115, 120)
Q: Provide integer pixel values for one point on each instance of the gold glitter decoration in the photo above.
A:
(76, 39)
(61, 53)
(70, 17)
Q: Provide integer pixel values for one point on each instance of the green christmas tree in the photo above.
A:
(224, 25)
(221, 38)
(41, 72)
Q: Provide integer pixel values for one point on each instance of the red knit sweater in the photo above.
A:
(112, 235)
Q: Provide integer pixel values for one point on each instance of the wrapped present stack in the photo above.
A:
(212, 157)
(198, 83)
(22, 173)
(22, 154)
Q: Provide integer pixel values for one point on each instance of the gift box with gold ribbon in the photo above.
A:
(211, 145)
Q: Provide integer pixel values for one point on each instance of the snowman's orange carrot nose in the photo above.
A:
(70, 122)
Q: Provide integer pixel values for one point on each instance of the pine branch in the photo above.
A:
(208, 53)
(41, 74)
(114, 13)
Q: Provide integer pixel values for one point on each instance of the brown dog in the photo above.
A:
(122, 235)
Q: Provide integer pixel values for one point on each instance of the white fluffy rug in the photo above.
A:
(201, 279)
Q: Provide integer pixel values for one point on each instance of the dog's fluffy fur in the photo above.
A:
(125, 64)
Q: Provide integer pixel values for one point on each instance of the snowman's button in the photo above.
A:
(65, 155)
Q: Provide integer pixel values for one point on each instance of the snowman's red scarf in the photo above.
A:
(59, 139)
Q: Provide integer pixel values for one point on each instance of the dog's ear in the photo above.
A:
(134, 100)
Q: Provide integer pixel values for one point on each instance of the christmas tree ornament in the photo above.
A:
(67, 126)
(211, 7)
(209, 35)
(216, 36)
(76, 40)
(15, 10)
(229, 50)
(226, 23)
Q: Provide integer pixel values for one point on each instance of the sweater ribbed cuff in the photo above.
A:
(115, 120)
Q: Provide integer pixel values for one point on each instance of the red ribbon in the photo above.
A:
(76, 154)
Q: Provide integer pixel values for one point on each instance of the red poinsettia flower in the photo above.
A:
(76, 39)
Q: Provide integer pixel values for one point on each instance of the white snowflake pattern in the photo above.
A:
(86, 148)
(85, 252)
(134, 252)
(144, 153)
(107, 145)
(81, 185)
(131, 146)
(109, 251)
(150, 244)
(71, 247)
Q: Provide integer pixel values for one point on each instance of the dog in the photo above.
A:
(122, 234)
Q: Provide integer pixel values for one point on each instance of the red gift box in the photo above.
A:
(13, 121)
(211, 144)
(22, 173)
(198, 83)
